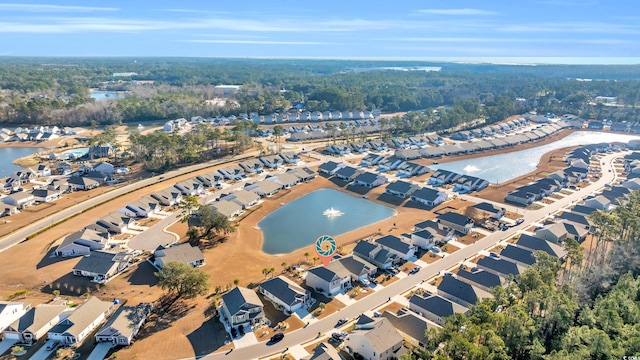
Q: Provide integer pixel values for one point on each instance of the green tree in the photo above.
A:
(182, 280)
(189, 204)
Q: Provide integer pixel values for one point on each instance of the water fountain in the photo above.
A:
(331, 213)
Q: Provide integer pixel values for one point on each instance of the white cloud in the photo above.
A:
(462, 12)
(52, 8)
(573, 27)
(257, 42)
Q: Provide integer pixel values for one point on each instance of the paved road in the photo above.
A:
(20, 235)
(325, 326)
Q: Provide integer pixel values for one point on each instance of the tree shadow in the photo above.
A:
(71, 285)
(166, 311)
(209, 337)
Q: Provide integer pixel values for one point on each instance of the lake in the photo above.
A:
(9, 154)
(107, 95)
(300, 222)
(504, 167)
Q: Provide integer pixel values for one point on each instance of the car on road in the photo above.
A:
(277, 337)
(519, 221)
(340, 336)
(494, 255)
(414, 270)
(341, 321)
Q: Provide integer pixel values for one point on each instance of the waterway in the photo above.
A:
(503, 167)
(107, 95)
(9, 154)
(300, 222)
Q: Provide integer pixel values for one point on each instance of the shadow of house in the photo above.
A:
(207, 338)
(144, 274)
(49, 260)
(338, 182)
(360, 190)
(390, 199)
(71, 285)
(417, 205)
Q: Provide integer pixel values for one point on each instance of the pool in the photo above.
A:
(74, 153)
(321, 212)
(504, 167)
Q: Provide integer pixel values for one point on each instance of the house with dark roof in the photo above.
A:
(407, 154)
(369, 180)
(561, 230)
(521, 197)
(455, 221)
(460, 292)
(468, 183)
(347, 173)
(484, 280)
(82, 243)
(339, 274)
(401, 189)
(583, 210)
(429, 197)
(76, 328)
(101, 265)
(518, 255)
(323, 351)
(183, 253)
(434, 307)
(375, 340)
(442, 177)
(409, 169)
(397, 246)
(285, 295)
(303, 173)
(330, 167)
(374, 254)
(371, 160)
(264, 188)
(500, 267)
(167, 197)
(45, 195)
(241, 308)
(534, 244)
(576, 218)
(389, 164)
(124, 324)
(490, 210)
(434, 233)
(411, 326)
(35, 323)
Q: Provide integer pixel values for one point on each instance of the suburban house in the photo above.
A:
(167, 197)
(441, 177)
(401, 189)
(561, 230)
(115, 223)
(271, 162)
(409, 169)
(330, 167)
(45, 195)
(82, 183)
(264, 188)
(99, 176)
(371, 160)
(229, 209)
(43, 170)
(105, 167)
(182, 253)
(489, 210)
(534, 244)
(369, 180)
(141, 208)
(467, 183)
(190, 187)
(484, 280)
(434, 232)
(101, 266)
(434, 307)
(124, 324)
(375, 254)
(600, 203)
(396, 246)
(455, 221)
(285, 180)
(323, 351)
(407, 154)
(518, 255)
(500, 267)
(583, 210)
(241, 308)
(460, 292)
(375, 340)
(429, 197)
(82, 243)
(83, 320)
(35, 323)
(347, 173)
(285, 295)
(389, 164)
(411, 326)
(20, 200)
(11, 311)
(339, 274)
(244, 198)
(303, 173)
(521, 197)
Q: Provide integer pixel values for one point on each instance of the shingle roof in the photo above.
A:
(454, 218)
(433, 303)
(536, 244)
(323, 352)
(99, 262)
(127, 318)
(323, 273)
(426, 193)
(82, 316)
(488, 207)
(347, 171)
(394, 243)
(382, 335)
(37, 317)
(287, 292)
(501, 266)
(367, 178)
(237, 298)
(409, 323)
(480, 277)
(459, 289)
(183, 253)
(518, 254)
(400, 186)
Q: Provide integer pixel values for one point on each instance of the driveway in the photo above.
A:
(100, 351)
(41, 354)
(6, 345)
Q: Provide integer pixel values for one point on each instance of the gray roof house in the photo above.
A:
(460, 292)
(401, 189)
(330, 167)
(518, 255)
(241, 307)
(229, 209)
(82, 243)
(375, 254)
(244, 198)
(83, 320)
(375, 340)
(182, 253)
(101, 266)
(35, 324)
(285, 295)
(500, 267)
(323, 351)
(20, 199)
(490, 209)
(397, 246)
(455, 221)
(434, 307)
(124, 324)
(369, 180)
(347, 173)
(536, 244)
(10, 311)
(411, 326)
(484, 280)
(338, 275)
(429, 196)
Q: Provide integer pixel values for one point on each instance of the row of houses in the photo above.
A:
(19, 322)
(462, 183)
(256, 166)
(490, 130)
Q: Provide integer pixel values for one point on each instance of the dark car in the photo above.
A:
(519, 221)
(277, 337)
(414, 270)
(341, 321)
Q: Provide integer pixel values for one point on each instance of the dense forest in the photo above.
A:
(586, 308)
(56, 90)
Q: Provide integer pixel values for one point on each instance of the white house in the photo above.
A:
(285, 295)
(105, 167)
(35, 323)
(11, 311)
(124, 324)
(183, 253)
(374, 340)
(429, 197)
(20, 200)
(82, 243)
(241, 307)
(45, 195)
(83, 320)
(339, 274)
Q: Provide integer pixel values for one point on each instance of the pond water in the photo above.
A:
(9, 154)
(300, 222)
(107, 95)
(504, 167)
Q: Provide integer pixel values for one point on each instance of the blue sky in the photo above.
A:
(598, 31)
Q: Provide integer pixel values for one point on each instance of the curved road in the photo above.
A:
(377, 298)
(20, 235)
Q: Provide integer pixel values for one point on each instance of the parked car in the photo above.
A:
(436, 250)
(52, 345)
(341, 321)
(494, 255)
(340, 336)
(277, 337)
(414, 270)
(365, 282)
(519, 221)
